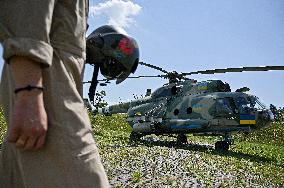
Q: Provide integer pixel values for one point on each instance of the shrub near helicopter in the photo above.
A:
(184, 106)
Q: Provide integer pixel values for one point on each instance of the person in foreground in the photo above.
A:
(49, 141)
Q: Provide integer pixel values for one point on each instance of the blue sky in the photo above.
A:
(187, 35)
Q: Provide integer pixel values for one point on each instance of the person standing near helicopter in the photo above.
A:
(49, 142)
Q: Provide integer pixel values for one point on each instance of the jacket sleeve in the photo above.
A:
(25, 29)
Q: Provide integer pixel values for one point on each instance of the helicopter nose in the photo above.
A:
(264, 118)
(271, 115)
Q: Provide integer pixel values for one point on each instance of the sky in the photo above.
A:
(192, 35)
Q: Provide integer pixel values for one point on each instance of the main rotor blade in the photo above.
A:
(102, 80)
(146, 76)
(154, 67)
(107, 80)
(241, 69)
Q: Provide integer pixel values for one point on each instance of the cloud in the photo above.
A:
(119, 13)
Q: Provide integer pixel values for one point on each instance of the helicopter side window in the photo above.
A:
(189, 110)
(243, 105)
(176, 112)
(223, 106)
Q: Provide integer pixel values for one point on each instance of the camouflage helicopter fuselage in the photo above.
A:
(207, 107)
(202, 108)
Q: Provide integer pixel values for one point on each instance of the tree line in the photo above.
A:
(278, 113)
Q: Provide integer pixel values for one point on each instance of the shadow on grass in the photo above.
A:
(205, 148)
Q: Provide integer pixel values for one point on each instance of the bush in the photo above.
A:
(272, 135)
(278, 113)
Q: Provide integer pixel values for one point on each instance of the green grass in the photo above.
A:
(136, 176)
(110, 129)
(259, 154)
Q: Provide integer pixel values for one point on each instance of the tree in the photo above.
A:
(278, 113)
(99, 100)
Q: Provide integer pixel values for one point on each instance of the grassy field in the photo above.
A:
(255, 160)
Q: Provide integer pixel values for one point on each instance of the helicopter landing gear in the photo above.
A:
(135, 137)
(221, 146)
(181, 139)
(225, 144)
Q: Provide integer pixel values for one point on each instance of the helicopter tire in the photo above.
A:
(181, 139)
(222, 146)
(135, 137)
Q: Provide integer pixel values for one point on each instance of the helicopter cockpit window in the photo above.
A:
(256, 103)
(243, 105)
(223, 106)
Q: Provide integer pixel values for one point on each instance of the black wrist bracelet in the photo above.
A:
(28, 88)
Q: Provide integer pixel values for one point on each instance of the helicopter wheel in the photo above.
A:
(181, 139)
(134, 136)
(222, 146)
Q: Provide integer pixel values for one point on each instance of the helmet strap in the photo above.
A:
(94, 83)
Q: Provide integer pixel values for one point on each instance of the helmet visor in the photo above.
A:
(112, 69)
(122, 77)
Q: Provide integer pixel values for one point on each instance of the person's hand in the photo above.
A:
(28, 123)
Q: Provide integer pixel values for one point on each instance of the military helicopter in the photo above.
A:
(184, 106)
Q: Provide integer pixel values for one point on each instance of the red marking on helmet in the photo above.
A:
(126, 46)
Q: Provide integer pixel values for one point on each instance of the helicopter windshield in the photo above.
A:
(256, 103)
(245, 104)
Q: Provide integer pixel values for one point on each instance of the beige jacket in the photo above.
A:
(35, 28)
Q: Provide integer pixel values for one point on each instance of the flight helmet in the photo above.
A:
(117, 54)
